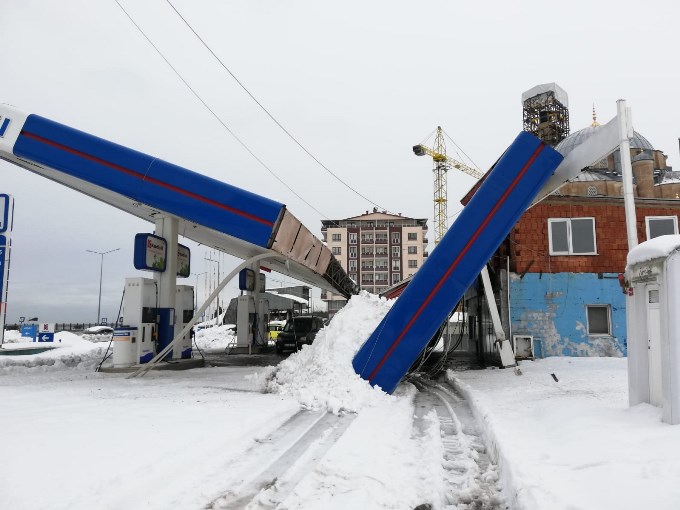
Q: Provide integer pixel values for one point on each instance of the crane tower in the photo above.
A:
(442, 163)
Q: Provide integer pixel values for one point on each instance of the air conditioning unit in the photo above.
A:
(523, 345)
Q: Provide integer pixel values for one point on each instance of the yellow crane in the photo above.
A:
(442, 163)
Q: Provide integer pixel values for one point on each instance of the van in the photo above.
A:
(297, 332)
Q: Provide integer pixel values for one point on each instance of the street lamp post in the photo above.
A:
(101, 272)
(218, 282)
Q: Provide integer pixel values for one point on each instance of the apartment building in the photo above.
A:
(377, 249)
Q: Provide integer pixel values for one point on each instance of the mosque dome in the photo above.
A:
(578, 137)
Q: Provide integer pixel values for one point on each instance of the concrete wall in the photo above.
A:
(552, 308)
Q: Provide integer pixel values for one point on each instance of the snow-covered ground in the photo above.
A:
(574, 443)
(77, 439)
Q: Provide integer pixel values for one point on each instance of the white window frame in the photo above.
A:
(569, 238)
(336, 250)
(609, 320)
(674, 218)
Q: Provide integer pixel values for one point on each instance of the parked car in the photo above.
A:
(297, 332)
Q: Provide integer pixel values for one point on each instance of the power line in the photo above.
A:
(241, 142)
(297, 142)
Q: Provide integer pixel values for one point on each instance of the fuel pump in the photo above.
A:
(184, 308)
(245, 320)
(135, 342)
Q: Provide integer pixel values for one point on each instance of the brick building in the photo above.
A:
(556, 276)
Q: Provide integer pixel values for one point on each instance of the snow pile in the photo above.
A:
(216, 338)
(321, 375)
(70, 351)
(13, 336)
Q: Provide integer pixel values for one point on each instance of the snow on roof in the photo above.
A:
(657, 248)
(291, 297)
(559, 92)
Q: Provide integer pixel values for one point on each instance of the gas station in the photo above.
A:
(160, 313)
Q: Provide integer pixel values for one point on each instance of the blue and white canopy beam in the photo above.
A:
(210, 212)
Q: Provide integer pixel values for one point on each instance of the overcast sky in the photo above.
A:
(357, 82)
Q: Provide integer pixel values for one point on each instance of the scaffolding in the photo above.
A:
(546, 113)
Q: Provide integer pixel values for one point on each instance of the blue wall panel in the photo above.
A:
(552, 308)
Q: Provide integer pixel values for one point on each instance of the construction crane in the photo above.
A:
(442, 163)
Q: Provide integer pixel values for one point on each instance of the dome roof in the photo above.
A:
(578, 137)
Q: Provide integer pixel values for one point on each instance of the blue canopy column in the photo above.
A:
(453, 265)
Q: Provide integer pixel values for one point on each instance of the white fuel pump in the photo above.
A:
(135, 343)
(184, 312)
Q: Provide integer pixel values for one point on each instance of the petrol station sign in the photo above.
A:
(150, 252)
(183, 261)
(6, 209)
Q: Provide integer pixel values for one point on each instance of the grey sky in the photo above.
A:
(358, 83)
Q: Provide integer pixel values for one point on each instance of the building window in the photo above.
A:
(572, 236)
(396, 278)
(413, 236)
(337, 237)
(412, 264)
(412, 250)
(366, 265)
(367, 251)
(381, 277)
(381, 264)
(661, 226)
(353, 276)
(396, 252)
(337, 250)
(396, 237)
(352, 265)
(366, 238)
(396, 265)
(352, 252)
(381, 250)
(599, 320)
(352, 238)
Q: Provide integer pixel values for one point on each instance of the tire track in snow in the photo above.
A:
(278, 462)
(471, 479)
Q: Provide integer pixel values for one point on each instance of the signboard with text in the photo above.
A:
(6, 209)
(4, 212)
(150, 252)
(183, 261)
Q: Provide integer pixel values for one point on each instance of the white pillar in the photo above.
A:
(625, 133)
(168, 228)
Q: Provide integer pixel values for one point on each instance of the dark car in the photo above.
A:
(298, 331)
